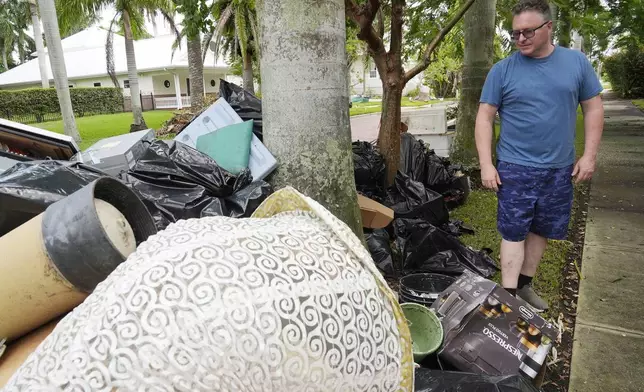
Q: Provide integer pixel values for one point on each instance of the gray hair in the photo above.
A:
(540, 6)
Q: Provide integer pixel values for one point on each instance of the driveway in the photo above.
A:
(365, 128)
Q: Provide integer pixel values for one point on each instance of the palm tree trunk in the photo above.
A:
(133, 77)
(57, 61)
(554, 12)
(195, 65)
(4, 59)
(479, 24)
(564, 27)
(247, 74)
(306, 124)
(40, 46)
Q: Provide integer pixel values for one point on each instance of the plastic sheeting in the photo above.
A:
(423, 165)
(411, 199)
(178, 182)
(426, 248)
(245, 104)
(289, 301)
(430, 380)
(369, 171)
(28, 188)
(378, 242)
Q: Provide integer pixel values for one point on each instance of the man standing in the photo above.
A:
(536, 92)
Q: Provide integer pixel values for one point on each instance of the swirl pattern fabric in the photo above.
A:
(287, 300)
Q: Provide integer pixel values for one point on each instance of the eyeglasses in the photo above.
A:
(527, 33)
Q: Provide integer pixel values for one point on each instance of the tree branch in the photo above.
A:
(397, 8)
(364, 16)
(381, 24)
(426, 60)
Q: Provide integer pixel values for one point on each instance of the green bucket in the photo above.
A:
(425, 328)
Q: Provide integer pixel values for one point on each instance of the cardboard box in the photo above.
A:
(218, 115)
(374, 214)
(117, 154)
(489, 331)
(20, 142)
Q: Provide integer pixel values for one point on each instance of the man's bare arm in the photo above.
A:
(593, 124)
(484, 134)
(593, 110)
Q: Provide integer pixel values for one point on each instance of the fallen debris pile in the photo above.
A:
(425, 188)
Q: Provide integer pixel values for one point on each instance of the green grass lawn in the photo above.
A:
(639, 103)
(95, 128)
(376, 106)
(480, 212)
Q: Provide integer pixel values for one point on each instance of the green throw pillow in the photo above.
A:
(228, 146)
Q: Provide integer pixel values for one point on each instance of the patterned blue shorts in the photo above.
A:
(534, 200)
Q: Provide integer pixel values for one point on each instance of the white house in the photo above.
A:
(366, 81)
(163, 78)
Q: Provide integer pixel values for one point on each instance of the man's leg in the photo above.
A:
(516, 204)
(512, 256)
(535, 246)
(551, 218)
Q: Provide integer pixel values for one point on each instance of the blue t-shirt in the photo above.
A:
(537, 100)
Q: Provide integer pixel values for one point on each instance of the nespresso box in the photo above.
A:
(20, 142)
(489, 331)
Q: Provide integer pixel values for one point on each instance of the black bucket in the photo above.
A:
(423, 288)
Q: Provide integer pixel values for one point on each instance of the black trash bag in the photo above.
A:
(432, 380)
(437, 174)
(28, 188)
(379, 245)
(410, 199)
(459, 191)
(178, 182)
(245, 104)
(244, 202)
(424, 249)
(413, 157)
(369, 171)
(457, 228)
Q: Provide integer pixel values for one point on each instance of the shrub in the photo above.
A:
(42, 103)
(625, 72)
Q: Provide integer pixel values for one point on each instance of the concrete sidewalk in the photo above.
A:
(608, 349)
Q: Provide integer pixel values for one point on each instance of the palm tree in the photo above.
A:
(57, 60)
(479, 27)
(6, 36)
(236, 33)
(40, 46)
(196, 19)
(14, 19)
(130, 16)
(314, 152)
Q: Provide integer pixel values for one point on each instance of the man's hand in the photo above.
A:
(490, 177)
(584, 169)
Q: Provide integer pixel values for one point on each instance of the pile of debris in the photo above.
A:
(425, 189)
(215, 165)
(245, 104)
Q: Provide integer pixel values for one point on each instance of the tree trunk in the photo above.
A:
(4, 60)
(40, 46)
(132, 75)
(479, 22)
(389, 133)
(247, 75)
(554, 12)
(58, 68)
(195, 65)
(306, 121)
(564, 27)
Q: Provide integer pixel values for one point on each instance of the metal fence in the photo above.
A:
(147, 102)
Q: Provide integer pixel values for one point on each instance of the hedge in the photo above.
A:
(41, 102)
(625, 72)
